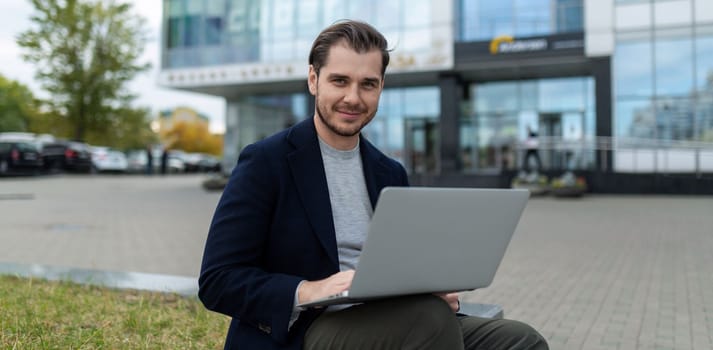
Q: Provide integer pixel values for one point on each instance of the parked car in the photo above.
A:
(19, 157)
(209, 163)
(137, 161)
(67, 156)
(105, 159)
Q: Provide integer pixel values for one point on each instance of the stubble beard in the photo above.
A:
(333, 127)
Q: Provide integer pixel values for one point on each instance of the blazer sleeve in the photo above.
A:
(233, 280)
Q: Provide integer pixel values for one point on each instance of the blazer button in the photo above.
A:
(264, 328)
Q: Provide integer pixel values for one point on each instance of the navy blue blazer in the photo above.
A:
(273, 228)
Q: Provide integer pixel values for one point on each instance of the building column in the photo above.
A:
(451, 100)
(601, 70)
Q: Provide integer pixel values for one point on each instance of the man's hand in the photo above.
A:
(451, 299)
(336, 283)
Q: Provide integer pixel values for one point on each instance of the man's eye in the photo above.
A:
(339, 81)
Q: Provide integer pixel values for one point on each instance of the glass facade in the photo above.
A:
(663, 85)
(405, 126)
(486, 19)
(560, 110)
(218, 32)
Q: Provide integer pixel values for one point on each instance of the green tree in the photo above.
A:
(126, 128)
(18, 106)
(85, 54)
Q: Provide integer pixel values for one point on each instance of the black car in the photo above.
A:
(19, 157)
(67, 156)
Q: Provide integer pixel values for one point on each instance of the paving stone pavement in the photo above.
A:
(601, 272)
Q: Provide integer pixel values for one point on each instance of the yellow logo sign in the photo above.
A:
(508, 44)
(495, 44)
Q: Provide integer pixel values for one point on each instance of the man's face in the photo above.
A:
(347, 92)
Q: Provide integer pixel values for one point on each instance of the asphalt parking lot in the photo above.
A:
(601, 272)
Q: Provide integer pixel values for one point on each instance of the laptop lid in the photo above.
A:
(426, 239)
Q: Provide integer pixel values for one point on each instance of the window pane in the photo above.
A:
(704, 64)
(704, 116)
(674, 66)
(493, 97)
(675, 119)
(562, 94)
(532, 17)
(308, 21)
(635, 118)
(633, 69)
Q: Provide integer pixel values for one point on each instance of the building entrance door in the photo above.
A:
(550, 135)
(421, 145)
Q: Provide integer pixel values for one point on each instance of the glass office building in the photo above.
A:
(467, 78)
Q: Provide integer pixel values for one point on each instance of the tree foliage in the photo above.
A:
(18, 106)
(85, 54)
(193, 137)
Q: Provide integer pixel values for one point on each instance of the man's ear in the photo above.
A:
(312, 80)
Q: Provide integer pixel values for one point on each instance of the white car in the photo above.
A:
(105, 159)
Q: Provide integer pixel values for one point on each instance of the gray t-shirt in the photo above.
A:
(351, 207)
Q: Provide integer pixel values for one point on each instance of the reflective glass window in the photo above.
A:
(704, 116)
(635, 118)
(532, 17)
(633, 68)
(562, 94)
(333, 10)
(570, 16)
(500, 96)
(214, 21)
(704, 63)
(674, 66)
(417, 14)
(192, 30)
(308, 20)
(485, 19)
(388, 15)
(406, 113)
(175, 23)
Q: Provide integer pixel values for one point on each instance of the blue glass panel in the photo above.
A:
(562, 94)
(704, 116)
(570, 16)
(634, 118)
(192, 31)
(674, 66)
(213, 30)
(675, 119)
(174, 32)
(532, 17)
(492, 97)
(633, 69)
(704, 64)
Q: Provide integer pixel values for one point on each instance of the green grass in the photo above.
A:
(40, 314)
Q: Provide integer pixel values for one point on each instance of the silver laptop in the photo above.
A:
(427, 240)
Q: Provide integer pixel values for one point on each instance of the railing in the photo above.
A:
(629, 155)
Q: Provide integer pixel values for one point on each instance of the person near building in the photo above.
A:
(164, 160)
(149, 160)
(531, 150)
(292, 219)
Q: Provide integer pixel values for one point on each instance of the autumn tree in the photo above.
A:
(85, 54)
(193, 137)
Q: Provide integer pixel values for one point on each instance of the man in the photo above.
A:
(292, 219)
(531, 146)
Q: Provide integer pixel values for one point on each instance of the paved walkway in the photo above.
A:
(603, 272)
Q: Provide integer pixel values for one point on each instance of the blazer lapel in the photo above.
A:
(308, 174)
(376, 174)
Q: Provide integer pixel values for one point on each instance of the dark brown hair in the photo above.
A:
(360, 36)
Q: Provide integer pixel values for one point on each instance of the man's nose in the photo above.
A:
(351, 95)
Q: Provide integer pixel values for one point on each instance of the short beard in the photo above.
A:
(333, 127)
